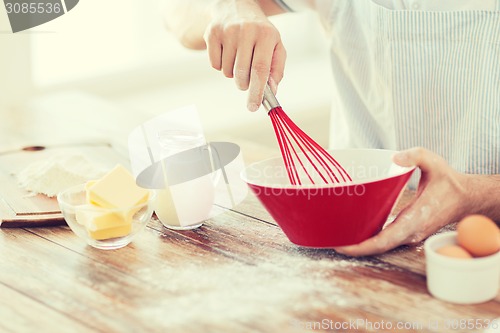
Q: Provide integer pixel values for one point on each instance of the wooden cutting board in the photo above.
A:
(19, 208)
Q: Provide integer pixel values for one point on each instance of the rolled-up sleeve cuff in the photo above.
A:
(291, 5)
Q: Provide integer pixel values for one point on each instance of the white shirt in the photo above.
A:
(429, 5)
(416, 73)
(438, 5)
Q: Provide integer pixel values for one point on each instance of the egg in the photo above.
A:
(479, 235)
(454, 251)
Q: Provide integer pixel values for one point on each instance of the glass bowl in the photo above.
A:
(103, 228)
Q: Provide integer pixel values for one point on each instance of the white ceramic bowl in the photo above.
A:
(462, 281)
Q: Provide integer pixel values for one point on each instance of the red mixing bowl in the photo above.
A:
(325, 216)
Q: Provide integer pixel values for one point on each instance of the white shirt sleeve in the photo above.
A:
(293, 5)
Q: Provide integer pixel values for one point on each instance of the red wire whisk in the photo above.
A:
(303, 157)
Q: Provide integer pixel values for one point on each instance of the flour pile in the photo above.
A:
(57, 173)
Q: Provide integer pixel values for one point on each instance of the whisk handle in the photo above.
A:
(269, 100)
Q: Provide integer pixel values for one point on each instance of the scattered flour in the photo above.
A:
(269, 296)
(57, 173)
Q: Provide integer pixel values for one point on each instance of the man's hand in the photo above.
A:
(244, 44)
(444, 196)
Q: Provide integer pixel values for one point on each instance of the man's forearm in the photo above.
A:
(187, 20)
(485, 195)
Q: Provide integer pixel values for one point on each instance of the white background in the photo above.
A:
(118, 52)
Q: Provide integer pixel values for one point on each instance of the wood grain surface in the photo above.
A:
(237, 273)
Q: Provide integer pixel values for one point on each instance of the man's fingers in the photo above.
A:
(242, 65)
(228, 58)
(420, 157)
(214, 50)
(413, 224)
(377, 244)
(259, 73)
(214, 46)
(277, 66)
(247, 48)
(399, 232)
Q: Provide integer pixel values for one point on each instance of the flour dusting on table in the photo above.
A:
(269, 296)
(57, 173)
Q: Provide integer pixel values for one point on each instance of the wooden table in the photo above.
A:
(237, 273)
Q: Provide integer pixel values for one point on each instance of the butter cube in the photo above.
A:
(117, 189)
(104, 225)
(104, 234)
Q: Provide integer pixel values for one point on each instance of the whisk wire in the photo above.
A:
(319, 152)
(289, 135)
(285, 150)
(278, 112)
(281, 125)
(308, 143)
